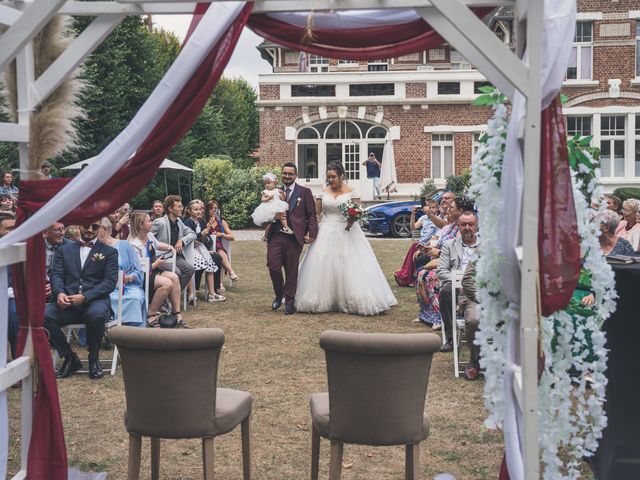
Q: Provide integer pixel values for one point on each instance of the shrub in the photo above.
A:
(625, 193)
(428, 188)
(459, 184)
(237, 189)
(210, 175)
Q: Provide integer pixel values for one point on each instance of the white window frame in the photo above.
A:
(611, 138)
(438, 142)
(579, 45)
(384, 62)
(318, 63)
(582, 117)
(638, 48)
(475, 144)
(460, 62)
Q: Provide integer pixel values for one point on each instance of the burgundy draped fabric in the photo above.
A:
(47, 452)
(558, 240)
(370, 43)
(405, 276)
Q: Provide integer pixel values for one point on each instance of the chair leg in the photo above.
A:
(207, 458)
(114, 360)
(412, 461)
(335, 465)
(315, 453)
(246, 448)
(135, 450)
(155, 458)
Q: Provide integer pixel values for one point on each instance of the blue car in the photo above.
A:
(391, 218)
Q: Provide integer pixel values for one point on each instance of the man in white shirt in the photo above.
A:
(458, 254)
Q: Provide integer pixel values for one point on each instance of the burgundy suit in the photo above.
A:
(284, 249)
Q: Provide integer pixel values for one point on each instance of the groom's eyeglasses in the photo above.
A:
(94, 226)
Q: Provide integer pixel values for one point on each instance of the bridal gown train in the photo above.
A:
(340, 272)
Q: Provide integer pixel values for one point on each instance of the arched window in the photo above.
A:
(339, 140)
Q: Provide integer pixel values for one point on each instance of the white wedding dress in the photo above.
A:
(340, 272)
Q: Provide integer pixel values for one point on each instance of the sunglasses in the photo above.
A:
(93, 226)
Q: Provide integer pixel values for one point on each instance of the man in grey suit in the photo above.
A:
(170, 229)
(458, 254)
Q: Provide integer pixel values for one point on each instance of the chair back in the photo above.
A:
(170, 380)
(377, 385)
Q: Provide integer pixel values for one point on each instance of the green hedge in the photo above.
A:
(625, 193)
(237, 189)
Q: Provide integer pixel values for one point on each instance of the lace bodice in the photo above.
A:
(330, 212)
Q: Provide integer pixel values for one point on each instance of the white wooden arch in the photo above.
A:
(451, 18)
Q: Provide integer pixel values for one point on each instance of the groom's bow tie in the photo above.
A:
(86, 244)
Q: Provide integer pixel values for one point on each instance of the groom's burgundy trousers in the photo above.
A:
(284, 251)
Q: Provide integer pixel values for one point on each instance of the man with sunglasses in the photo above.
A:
(83, 275)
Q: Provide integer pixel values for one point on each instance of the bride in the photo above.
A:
(340, 272)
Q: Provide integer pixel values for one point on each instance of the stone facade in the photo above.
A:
(428, 95)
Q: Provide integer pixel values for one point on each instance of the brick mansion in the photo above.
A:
(423, 104)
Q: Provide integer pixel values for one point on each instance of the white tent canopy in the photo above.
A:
(166, 165)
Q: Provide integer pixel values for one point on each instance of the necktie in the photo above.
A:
(288, 194)
(86, 244)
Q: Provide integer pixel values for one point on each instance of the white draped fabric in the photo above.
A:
(559, 28)
(213, 25)
(388, 177)
(350, 18)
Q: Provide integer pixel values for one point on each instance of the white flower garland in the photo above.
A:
(571, 417)
(492, 333)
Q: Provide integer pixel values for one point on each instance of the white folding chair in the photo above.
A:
(116, 320)
(145, 266)
(184, 290)
(457, 323)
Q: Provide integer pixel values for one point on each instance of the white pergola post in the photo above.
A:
(451, 18)
(529, 305)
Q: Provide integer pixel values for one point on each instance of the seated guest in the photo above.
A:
(83, 275)
(405, 276)
(134, 312)
(221, 235)
(53, 238)
(456, 255)
(613, 203)
(171, 229)
(163, 284)
(157, 210)
(6, 203)
(120, 223)
(441, 220)
(203, 261)
(427, 282)
(610, 243)
(7, 223)
(628, 228)
(72, 232)
(7, 186)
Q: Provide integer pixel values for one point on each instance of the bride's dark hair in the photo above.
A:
(336, 167)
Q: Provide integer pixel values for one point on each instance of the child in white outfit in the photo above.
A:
(272, 204)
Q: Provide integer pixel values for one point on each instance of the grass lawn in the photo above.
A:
(278, 360)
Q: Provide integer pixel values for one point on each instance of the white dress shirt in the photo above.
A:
(84, 253)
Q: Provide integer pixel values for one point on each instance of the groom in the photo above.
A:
(283, 250)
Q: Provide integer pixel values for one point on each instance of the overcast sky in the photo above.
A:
(246, 61)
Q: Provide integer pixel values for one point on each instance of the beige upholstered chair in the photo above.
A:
(170, 381)
(377, 389)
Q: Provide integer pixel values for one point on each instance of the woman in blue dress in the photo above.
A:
(134, 311)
